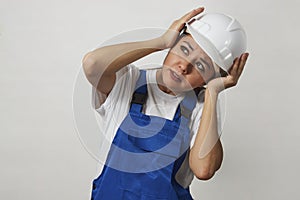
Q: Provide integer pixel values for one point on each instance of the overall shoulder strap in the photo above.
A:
(139, 96)
(188, 103)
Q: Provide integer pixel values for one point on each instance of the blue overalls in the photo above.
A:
(141, 165)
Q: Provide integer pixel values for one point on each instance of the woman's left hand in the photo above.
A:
(219, 84)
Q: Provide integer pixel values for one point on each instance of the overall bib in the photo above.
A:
(141, 165)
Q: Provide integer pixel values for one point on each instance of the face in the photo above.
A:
(186, 66)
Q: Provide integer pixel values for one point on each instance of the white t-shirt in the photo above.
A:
(113, 109)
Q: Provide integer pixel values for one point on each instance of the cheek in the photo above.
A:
(196, 81)
(169, 61)
(174, 59)
(208, 77)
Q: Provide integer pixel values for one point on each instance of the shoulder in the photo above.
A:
(128, 69)
(124, 85)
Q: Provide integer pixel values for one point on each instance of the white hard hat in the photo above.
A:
(221, 37)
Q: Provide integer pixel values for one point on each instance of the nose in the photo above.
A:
(183, 67)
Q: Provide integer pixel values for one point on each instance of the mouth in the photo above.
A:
(175, 76)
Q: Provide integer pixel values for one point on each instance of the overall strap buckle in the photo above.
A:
(139, 98)
(140, 94)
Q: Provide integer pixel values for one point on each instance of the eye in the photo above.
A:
(184, 50)
(200, 66)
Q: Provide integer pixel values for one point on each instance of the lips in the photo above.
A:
(175, 76)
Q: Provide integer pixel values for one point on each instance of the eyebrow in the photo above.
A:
(193, 50)
(189, 45)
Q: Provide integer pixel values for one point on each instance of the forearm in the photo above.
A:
(206, 154)
(108, 60)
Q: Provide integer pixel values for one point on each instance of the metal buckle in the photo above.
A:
(139, 98)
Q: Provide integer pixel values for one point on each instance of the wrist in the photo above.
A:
(159, 43)
(213, 91)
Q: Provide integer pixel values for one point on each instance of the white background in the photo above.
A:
(41, 47)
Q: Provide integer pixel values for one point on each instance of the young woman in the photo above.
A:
(153, 115)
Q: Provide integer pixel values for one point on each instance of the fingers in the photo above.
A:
(234, 68)
(169, 38)
(235, 71)
(238, 66)
(191, 14)
(179, 23)
(243, 60)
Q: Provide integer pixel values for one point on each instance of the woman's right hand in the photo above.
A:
(170, 36)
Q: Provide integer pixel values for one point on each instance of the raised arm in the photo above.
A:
(100, 66)
(206, 155)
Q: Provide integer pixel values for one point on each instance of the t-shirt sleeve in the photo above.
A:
(125, 80)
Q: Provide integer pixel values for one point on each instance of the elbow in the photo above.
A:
(88, 64)
(204, 173)
(91, 69)
(205, 168)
